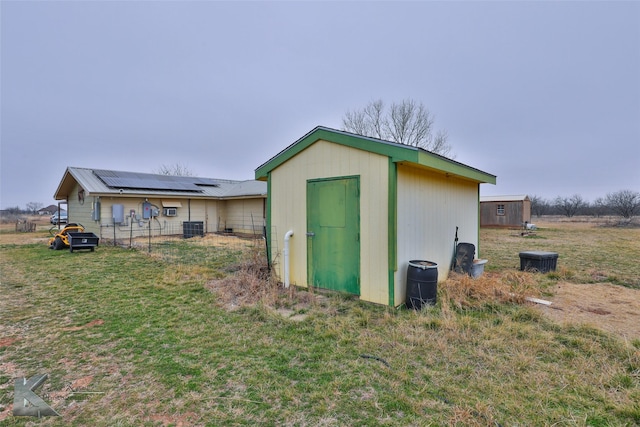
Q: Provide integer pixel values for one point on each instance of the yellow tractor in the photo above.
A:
(72, 236)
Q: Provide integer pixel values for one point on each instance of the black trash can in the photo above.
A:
(422, 284)
(539, 261)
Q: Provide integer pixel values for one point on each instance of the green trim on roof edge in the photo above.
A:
(397, 152)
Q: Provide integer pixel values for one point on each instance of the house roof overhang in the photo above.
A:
(65, 186)
(516, 198)
(399, 153)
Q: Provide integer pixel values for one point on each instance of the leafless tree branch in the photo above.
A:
(407, 122)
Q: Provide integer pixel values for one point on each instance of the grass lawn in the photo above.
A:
(132, 340)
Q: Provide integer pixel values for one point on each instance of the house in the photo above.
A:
(118, 204)
(355, 210)
(505, 211)
(48, 211)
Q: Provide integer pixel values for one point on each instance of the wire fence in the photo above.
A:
(191, 246)
(132, 228)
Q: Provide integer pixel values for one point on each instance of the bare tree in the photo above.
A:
(177, 169)
(13, 210)
(33, 207)
(598, 207)
(539, 206)
(569, 206)
(407, 122)
(369, 121)
(625, 203)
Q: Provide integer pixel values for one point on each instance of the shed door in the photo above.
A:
(333, 230)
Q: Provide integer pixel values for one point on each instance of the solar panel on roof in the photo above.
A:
(145, 181)
(204, 181)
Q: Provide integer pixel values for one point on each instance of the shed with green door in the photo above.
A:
(356, 210)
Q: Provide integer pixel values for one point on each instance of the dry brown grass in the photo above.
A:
(8, 234)
(605, 306)
(585, 221)
(504, 287)
(208, 240)
(250, 283)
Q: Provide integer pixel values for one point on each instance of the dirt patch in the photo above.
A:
(608, 307)
(7, 341)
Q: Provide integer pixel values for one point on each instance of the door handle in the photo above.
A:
(310, 234)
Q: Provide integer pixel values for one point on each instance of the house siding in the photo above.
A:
(77, 212)
(430, 207)
(515, 213)
(212, 215)
(163, 225)
(244, 215)
(288, 183)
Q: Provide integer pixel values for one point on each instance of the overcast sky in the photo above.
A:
(545, 95)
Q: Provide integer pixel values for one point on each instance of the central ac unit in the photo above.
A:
(170, 212)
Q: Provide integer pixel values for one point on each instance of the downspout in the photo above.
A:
(285, 253)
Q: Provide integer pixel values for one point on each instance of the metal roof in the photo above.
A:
(518, 198)
(399, 153)
(107, 182)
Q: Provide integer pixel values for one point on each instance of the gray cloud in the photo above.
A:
(545, 95)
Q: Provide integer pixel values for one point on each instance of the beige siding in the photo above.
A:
(244, 215)
(162, 225)
(80, 213)
(212, 208)
(213, 214)
(430, 206)
(288, 211)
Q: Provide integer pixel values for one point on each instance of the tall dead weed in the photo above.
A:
(463, 291)
(250, 282)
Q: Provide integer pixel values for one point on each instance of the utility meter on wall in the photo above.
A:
(146, 210)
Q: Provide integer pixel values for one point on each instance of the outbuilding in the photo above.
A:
(505, 211)
(120, 204)
(355, 210)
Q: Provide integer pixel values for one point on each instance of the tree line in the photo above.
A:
(625, 203)
(31, 208)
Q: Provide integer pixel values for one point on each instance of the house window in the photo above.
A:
(170, 211)
(170, 207)
(500, 210)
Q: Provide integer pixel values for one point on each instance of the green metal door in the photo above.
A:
(333, 234)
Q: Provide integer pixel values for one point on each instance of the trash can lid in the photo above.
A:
(538, 254)
(423, 264)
